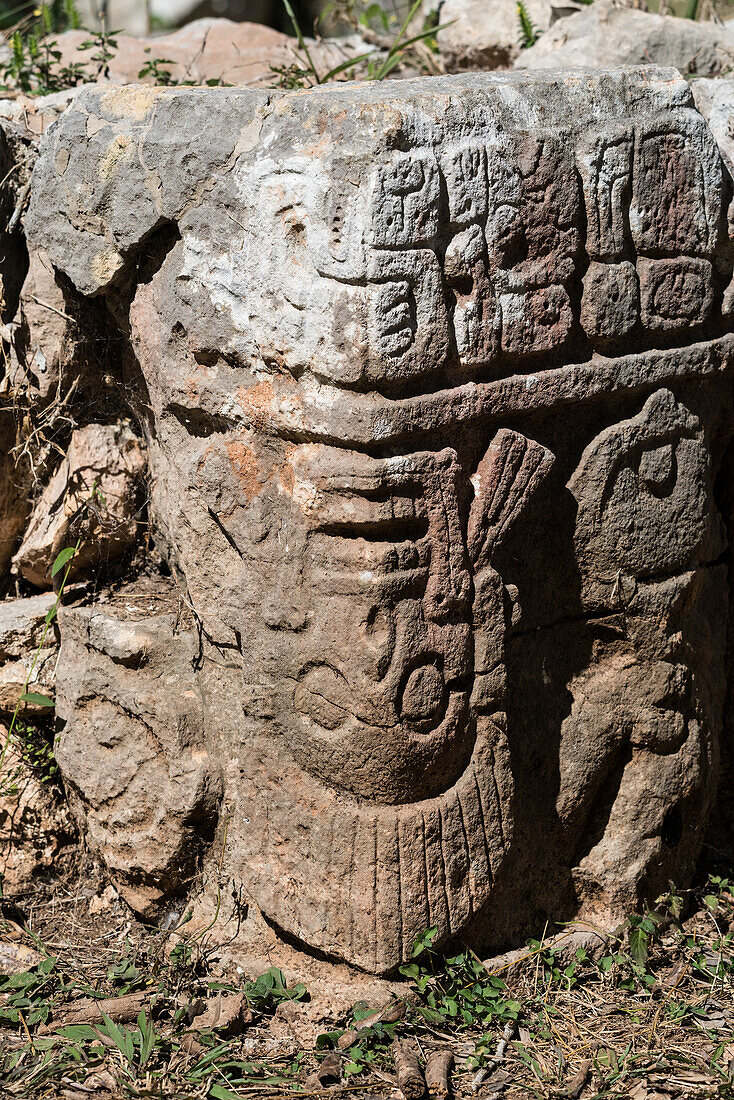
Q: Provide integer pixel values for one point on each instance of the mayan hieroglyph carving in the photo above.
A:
(436, 385)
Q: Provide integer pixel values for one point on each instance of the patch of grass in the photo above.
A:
(650, 1017)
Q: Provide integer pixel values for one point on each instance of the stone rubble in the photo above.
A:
(128, 702)
(93, 502)
(36, 831)
(27, 648)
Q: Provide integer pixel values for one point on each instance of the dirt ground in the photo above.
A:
(96, 1004)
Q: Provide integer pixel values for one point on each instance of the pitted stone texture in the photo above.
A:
(438, 383)
(130, 745)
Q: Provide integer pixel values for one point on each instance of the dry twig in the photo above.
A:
(407, 1070)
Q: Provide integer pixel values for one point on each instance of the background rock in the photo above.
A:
(485, 34)
(605, 35)
(216, 50)
(95, 497)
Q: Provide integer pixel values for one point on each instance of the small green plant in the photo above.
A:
(458, 989)
(136, 1044)
(104, 43)
(528, 31)
(34, 63)
(34, 66)
(555, 970)
(155, 69)
(22, 999)
(265, 993)
(377, 64)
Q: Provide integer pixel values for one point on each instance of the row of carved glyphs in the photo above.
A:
(486, 239)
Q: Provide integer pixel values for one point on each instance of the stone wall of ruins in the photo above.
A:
(434, 379)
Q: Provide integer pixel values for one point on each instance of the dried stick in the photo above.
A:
(123, 1009)
(507, 1035)
(408, 1071)
(438, 1073)
(17, 213)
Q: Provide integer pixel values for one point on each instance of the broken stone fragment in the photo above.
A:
(44, 336)
(36, 826)
(28, 648)
(130, 745)
(94, 499)
(227, 1013)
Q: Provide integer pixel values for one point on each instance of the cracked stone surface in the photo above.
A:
(437, 387)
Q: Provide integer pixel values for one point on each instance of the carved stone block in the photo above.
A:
(434, 455)
(676, 293)
(610, 305)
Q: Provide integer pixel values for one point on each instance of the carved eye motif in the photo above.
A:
(658, 470)
(424, 697)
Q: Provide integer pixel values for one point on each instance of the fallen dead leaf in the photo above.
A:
(389, 1014)
(575, 1085)
(328, 1073)
(227, 1014)
(15, 958)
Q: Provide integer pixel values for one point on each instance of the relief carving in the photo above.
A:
(438, 383)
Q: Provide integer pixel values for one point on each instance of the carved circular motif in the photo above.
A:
(423, 694)
(316, 697)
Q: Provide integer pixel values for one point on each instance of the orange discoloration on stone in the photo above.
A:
(327, 122)
(245, 465)
(256, 403)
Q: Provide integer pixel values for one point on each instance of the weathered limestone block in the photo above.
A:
(130, 748)
(439, 386)
(93, 502)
